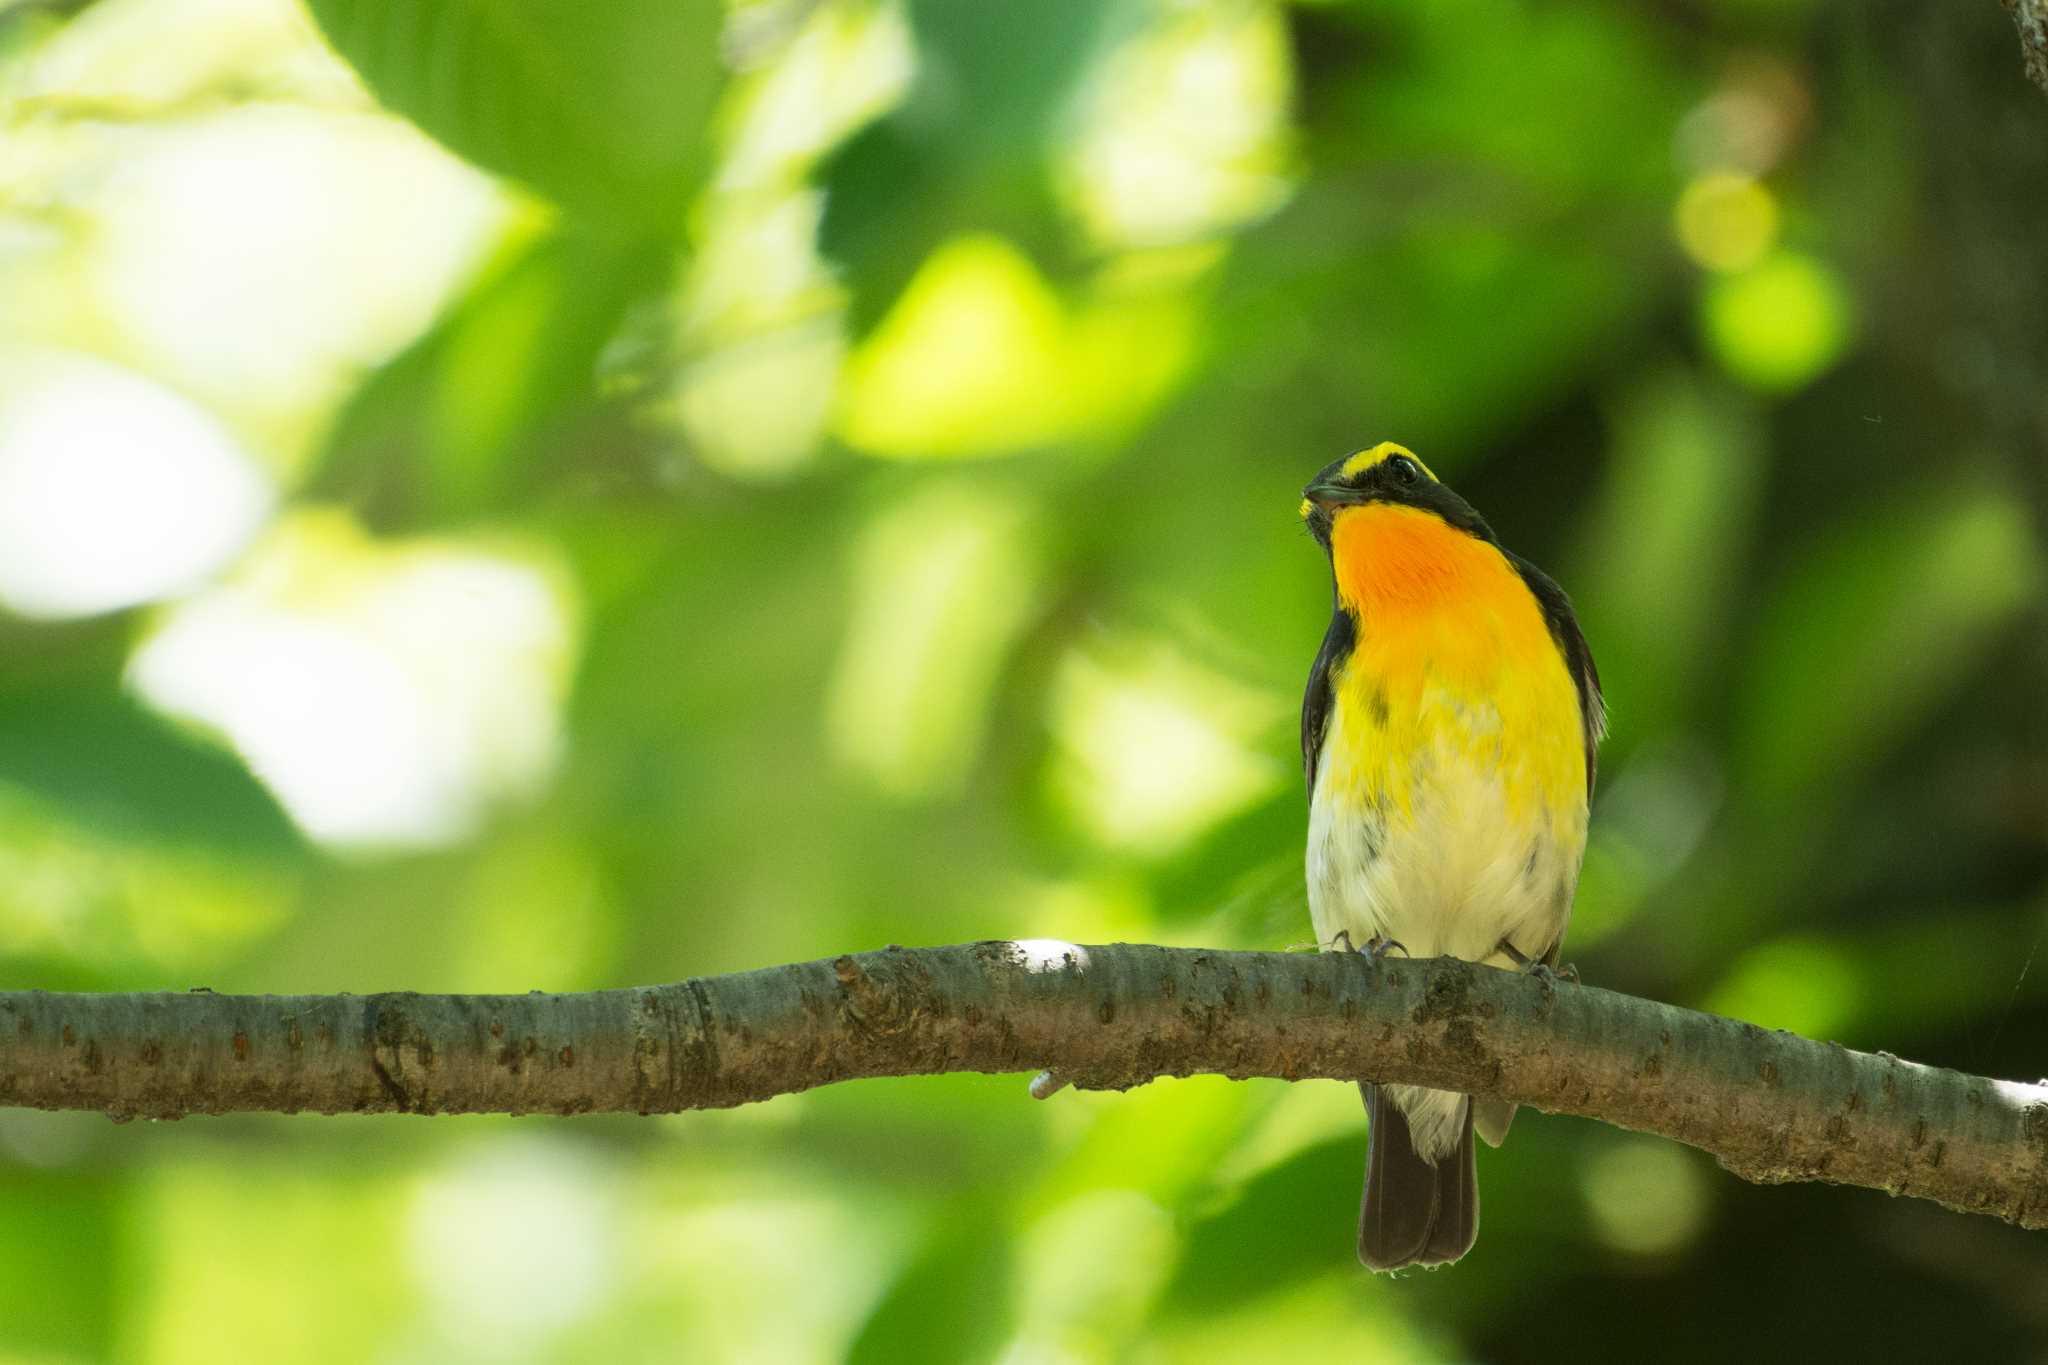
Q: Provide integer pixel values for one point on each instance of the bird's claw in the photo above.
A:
(1375, 947)
(1537, 967)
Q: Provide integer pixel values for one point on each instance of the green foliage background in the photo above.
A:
(902, 408)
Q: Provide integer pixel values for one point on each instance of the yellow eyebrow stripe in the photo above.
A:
(1366, 459)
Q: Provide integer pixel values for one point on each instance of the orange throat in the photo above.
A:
(1438, 608)
(1396, 562)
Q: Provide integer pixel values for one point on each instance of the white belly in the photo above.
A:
(1455, 874)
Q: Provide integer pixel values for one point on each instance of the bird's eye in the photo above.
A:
(1403, 471)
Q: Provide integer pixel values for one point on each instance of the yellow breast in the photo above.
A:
(1454, 665)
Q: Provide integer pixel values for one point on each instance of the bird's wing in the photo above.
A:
(1321, 694)
(1578, 657)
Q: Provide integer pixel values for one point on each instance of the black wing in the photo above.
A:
(1338, 642)
(1578, 656)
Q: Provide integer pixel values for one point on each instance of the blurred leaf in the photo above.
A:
(980, 356)
(1870, 627)
(1162, 1140)
(1936, 970)
(601, 106)
(57, 1222)
(943, 582)
(951, 1303)
(1454, 257)
(1288, 1224)
(460, 422)
(125, 906)
(1088, 1274)
(1330, 1318)
(234, 1239)
(1000, 75)
(1674, 520)
(535, 915)
(94, 751)
(1240, 882)
(967, 147)
(1458, 82)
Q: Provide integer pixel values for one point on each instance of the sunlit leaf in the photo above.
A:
(386, 692)
(981, 356)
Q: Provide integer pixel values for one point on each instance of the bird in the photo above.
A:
(1448, 736)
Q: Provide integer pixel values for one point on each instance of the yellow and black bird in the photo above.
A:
(1448, 734)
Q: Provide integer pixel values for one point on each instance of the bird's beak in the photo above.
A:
(1334, 495)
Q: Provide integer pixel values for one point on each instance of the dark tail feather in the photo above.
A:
(1414, 1213)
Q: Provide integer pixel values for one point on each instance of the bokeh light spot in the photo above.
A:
(518, 1242)
(1153, 749)
(943, 583)
(1726, 222)
(758, 407)
(968, 359)
(386, 693)
(263, 256)
(1184, 128)
(113, 490)
(1779, 325)
(1645, 1195)
(1804, 985)
(980, 356)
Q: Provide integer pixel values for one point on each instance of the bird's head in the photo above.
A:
(1384, 474)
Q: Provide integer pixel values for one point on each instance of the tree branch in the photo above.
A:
(2031, 18)
(1769, 1106)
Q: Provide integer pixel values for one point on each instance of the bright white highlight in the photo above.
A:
(386, 694)
(263, 257)
(518, 1243)
(1184, 127)
(1038, 955)
(113, 489)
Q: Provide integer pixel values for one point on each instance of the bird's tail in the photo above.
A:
(1416, 1212)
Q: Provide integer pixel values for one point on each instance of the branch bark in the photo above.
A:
(2031, 18)
(1770, 1106)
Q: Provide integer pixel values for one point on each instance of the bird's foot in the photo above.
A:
(1375, 947)
(1537, 967)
